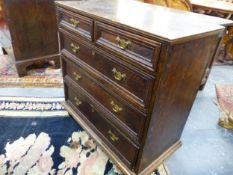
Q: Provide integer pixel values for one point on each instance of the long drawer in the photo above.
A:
(83, 105)
(133, 48)
(130, 80)
(131, 120)
(81, 25)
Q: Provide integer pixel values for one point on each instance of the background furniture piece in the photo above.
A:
(210, 7)
(3, 27)
(176, 4)
(1, 10)
(223, 9)
(28, 32)
(219, 6)
(131, 79)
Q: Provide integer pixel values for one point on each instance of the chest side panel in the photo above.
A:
(181, 73)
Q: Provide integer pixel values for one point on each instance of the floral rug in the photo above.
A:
(39, 137)
(38, 77)
(225, 103)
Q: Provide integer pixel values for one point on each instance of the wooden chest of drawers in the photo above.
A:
(130, 80)
(29, 34)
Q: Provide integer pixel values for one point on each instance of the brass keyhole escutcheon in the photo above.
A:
(77, 76)
(115, 107)
(77, 101)
(123, 44)
(92, 108)
(118, 75)
(74, 48)
(93, 53)
(113, 137)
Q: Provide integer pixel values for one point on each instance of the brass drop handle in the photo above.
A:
(113, 137)
(115, 107)
(77, 76)
(74, 22)
(118, 75)
(123, 44)
(74, 47)
(77, 101)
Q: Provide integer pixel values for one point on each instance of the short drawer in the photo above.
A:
(125, 77)
(79, 24)
(131, 120)
(74, 46)
(131, 47)
(117, 141)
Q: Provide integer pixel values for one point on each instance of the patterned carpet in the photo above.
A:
(39, 137)
(45, 76)
(224, 95)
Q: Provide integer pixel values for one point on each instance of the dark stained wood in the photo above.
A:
(1, 9)
(78, 24)
(155, 22)
(175, 94)
(128, 116)
(118, 141)
(137, 49)
(220, 9)
(5, 37)
(154, 103)
(33, 33)
(136, 84)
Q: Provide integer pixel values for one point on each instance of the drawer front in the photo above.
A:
(121, 111)
(121, 145)
(81, 25)
(131, 47)
(136, 84)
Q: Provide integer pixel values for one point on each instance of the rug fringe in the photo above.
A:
(32, 99)
(33, 114)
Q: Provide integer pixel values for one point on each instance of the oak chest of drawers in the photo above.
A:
(131, 75)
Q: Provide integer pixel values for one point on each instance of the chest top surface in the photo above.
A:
(165, 23)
